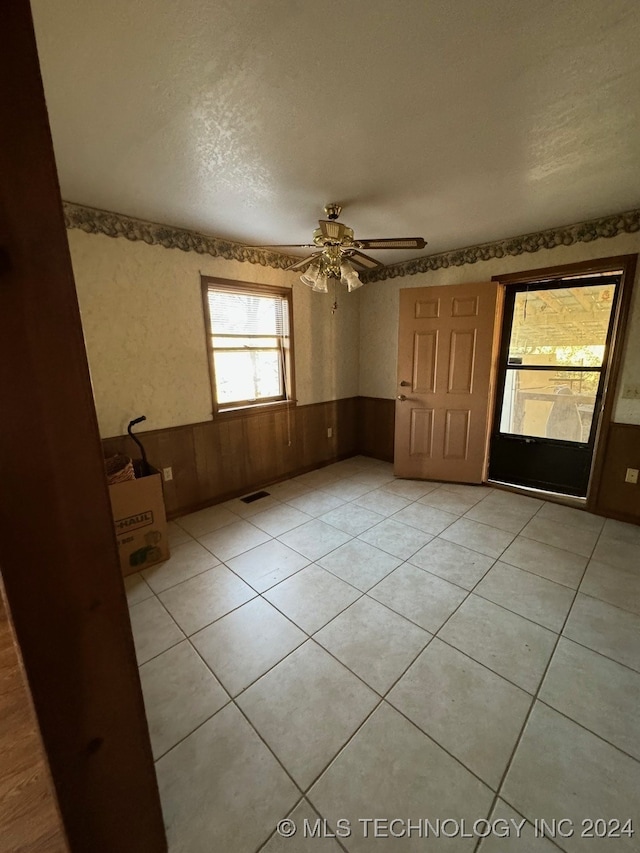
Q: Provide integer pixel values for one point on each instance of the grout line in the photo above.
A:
(343, 664)
(552, 841)
(197, 574)
(566, 550)
(239, 709)
(194, 730)
(484, 666)
(516, 613)
(172, 646)
(342, 749)
(587, 729)
(241, 692)
(535, 700)
(600, 654)
(277, 583)
(397, 612)
(542, 577)
(380, 696)
(312, 808)
(447, 580)
(333, 757)
(406, 670)
(413, 723)
(218, 618)
(246, 718)
(609, 603)
(264, 843)
(430, 737)
(465, 599)
(399, 677)
(232, 700)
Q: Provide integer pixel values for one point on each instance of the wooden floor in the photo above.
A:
(29, 818)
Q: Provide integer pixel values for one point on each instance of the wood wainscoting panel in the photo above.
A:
(616, 498)
(376, 427)
(171, 444)
(346, 430)
(220, 459)
(230, 456)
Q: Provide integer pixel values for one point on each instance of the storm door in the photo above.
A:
(553, 363)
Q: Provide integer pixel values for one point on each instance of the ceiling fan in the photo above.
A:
(336, 250)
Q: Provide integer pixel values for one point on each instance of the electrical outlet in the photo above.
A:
(329, 432)
(167, 473)
(631, 476)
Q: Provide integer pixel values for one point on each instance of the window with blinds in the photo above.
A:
(249, 332)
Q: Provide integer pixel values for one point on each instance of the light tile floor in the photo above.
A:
(358, 647)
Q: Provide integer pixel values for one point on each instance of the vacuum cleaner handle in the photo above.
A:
(145, 464)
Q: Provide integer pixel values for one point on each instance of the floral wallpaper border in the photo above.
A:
(583, 232)
(95, 221)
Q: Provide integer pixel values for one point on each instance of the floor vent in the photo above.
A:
(254, 497)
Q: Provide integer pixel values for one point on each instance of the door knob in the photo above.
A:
(404, 384)
(401, 397)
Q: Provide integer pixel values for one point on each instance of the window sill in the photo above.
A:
(252, 411)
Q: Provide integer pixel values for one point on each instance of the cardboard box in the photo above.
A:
(140, 521)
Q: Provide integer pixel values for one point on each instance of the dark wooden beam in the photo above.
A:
(57, 549)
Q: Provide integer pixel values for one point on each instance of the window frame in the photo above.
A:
(249, 407)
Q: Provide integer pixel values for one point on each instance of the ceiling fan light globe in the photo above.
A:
(321, 284)
(310, 277)
(350, 277)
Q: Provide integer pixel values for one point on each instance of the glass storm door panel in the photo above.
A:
(553, 361)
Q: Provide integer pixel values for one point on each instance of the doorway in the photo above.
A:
(552, 373)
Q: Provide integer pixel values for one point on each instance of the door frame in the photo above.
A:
(626, 263)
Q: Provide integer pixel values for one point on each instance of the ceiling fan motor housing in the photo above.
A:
(333, 233)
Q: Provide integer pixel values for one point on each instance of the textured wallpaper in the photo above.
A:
(144, 331)
(379, 315)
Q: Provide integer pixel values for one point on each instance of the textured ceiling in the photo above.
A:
(461, 122)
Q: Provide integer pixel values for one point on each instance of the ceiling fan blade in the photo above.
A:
(286, 246)
(365, 261)
(302, 263)
(332, 230)
(392, 243)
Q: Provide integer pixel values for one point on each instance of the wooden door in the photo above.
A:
(447, 345)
